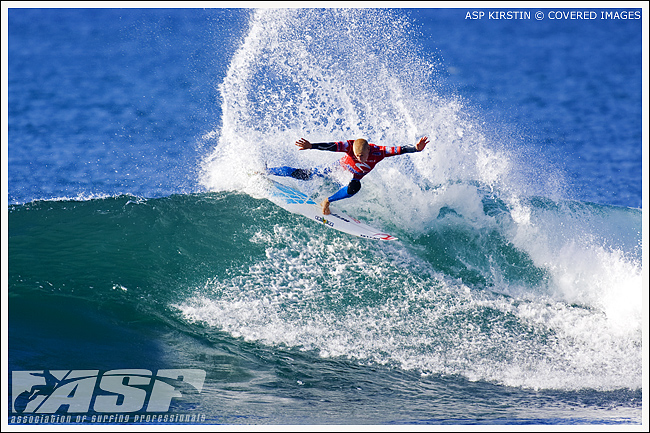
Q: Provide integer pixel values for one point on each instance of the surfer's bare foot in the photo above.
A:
(325, 205)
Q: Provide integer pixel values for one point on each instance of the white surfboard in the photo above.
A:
(297, 202)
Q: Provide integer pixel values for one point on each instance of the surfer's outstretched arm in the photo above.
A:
(305, 144)
(341, 146)
(422, 143)
(401, 150)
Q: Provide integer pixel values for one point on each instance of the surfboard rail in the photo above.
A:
(298, 202)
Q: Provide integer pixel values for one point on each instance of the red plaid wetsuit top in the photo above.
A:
(357, 168)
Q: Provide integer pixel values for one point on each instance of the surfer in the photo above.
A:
(359, 159)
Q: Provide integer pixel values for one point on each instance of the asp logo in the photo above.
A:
(114, 391)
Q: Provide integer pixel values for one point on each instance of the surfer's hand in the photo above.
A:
(421, 144)
(303, 144)
(325, 205)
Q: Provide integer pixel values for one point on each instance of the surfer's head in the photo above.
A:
(361, 149)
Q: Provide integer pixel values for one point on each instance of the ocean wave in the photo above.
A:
(464, 298)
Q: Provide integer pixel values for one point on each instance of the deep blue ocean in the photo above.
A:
(140, 246)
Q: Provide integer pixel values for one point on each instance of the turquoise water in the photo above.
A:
(283, 311)
(138, 240)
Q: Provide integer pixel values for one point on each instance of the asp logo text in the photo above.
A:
(113, 391)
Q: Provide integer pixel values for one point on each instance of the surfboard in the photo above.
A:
(298, 202)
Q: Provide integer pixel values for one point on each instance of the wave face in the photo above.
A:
(478, 300)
